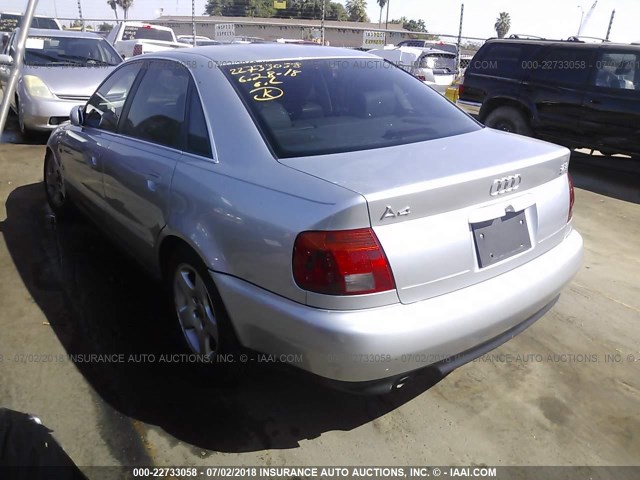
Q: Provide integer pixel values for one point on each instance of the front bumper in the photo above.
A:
(37, 113)
(388, 342)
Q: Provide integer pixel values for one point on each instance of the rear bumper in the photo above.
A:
(385, 343)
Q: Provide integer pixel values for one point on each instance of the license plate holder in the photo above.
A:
(501, 238)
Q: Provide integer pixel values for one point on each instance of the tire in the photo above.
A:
(509, 119)
(202, 319)
(54, 187)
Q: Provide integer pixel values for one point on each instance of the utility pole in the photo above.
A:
(613, 14)
(80, 13)
(16, 66)
(324, 4)
(193, 21)
(460, 38)
(386, 24)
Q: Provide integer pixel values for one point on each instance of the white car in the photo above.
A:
(435, 67)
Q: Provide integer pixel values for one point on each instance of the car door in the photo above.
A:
(82, 148)
(612, 102)
(555, 85)
(141, 161)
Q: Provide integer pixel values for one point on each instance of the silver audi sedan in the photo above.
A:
(321, 206)
(61, 69)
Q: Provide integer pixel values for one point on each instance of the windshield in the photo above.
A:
(80, 52)
(146, 33)
(315, 107)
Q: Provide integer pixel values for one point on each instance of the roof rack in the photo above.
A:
(580, 38)
(520, 36)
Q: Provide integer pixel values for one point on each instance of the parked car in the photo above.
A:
(135, 38)
(61, 70)
(434, 67)
(582, 95)
(299, 202)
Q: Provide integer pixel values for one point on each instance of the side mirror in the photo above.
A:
(6, 59)
(76, 115)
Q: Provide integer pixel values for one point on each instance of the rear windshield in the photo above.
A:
(9, 22)
(315, 107)
(146, 33)
(444, 62)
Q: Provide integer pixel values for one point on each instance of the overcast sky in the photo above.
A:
(546, 18)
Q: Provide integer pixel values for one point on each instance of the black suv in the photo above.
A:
(582, 95)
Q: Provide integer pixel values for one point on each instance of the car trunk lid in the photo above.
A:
(429, 202)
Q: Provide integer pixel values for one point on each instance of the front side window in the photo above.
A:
(157, 109)
(320, 106)
(105, 106)
(618, 70)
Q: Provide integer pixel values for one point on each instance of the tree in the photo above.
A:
(114, 7)
(336, 11)
(125, 5)
(357, 10)
(240, 8)
(105, 27)
(382, 4)
(411, 25)
(503, 24)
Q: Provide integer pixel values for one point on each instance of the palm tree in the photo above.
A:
(125, 5)
(357, 10)
(114, 7)
(382, 3)
(503, 24)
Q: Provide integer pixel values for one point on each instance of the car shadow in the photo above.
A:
(97, 301)
(613, 176)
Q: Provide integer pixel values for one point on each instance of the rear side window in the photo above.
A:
(9, 22)
(157, 110)
(198, 141)
(502, 59)
(105, 106)
(320, 106)
(561, 66)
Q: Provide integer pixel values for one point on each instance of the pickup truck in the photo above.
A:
(135, 38)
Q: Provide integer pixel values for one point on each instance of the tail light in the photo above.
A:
(461, 87)
(421, 78)
(572, 196)
(342, 262)
(137, 49)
